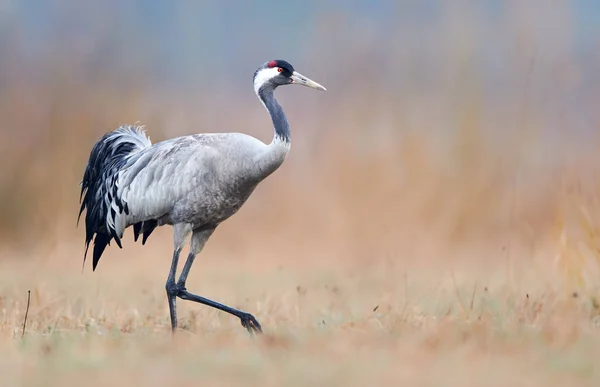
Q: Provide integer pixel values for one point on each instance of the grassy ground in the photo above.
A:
(326, 323)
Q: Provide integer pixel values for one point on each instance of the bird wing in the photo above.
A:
(153, 181)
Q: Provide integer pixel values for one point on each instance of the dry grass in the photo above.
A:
(328, 323)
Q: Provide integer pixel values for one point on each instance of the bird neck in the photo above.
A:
(278, 149)
(282, 128)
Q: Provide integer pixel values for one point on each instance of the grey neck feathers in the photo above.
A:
(282, 128)
(277, 150)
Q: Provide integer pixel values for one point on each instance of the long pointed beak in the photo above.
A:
(299, 79)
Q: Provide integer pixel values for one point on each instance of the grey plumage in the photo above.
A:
(192, 183)
(197, 180)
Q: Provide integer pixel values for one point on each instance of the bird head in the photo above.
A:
(278, 73)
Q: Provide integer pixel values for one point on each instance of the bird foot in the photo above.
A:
(250, 323)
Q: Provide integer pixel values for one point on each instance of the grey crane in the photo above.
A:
(192, 183)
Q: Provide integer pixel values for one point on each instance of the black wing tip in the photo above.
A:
(137, 227)
(148, 230)
(100, 243)
(87, 245)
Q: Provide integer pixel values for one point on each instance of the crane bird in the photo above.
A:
(192, 183)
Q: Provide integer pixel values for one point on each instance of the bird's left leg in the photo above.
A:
(172, 290)
(199, 239)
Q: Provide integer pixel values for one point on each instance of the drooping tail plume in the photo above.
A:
(99, 189)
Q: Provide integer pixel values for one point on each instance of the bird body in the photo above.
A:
(192, 182)
(198, 179)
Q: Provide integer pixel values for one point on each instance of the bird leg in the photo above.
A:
(172, 289)
(199, 238)
(248, 320)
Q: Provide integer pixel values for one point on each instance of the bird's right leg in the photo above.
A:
(180, 232)
(198, 240)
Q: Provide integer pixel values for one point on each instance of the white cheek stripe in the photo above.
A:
(263, 76)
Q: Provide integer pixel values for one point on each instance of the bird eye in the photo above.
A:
(279, 69)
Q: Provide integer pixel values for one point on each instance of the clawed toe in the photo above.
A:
(250, 323)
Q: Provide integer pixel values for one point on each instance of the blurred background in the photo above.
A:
(450, 130)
